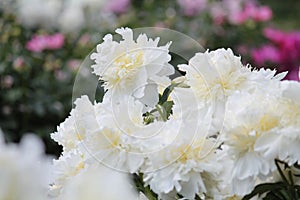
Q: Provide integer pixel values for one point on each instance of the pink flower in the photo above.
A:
(250, 11)
(285, 51)
(293, 74)
(266, 53)
(117, 6)
(192, 7)
(264, 13)
(55, 41)
(238, 18)
(217, 13)
(38, 43)
(274, 35)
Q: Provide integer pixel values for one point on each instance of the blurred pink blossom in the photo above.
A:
(266, 53)
(38, 43)
(284, 50)
(250, 11)
(274, 35)
(235, 14)
(263, 13)
(293, 75)
(217, 13)
(238, 11)
(117, 6)
(192, 7)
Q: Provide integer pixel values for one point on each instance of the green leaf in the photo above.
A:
(272, 196)
(168, 107)
(263, 188)
(164, 97)
(280, 171)
(140, 186)
(162, 112)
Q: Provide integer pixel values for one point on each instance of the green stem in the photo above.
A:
(280, 171)
(161, 112)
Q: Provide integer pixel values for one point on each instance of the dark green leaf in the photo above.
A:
(263, 188)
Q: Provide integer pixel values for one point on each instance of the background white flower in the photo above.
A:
(99, 182)
(24, 170)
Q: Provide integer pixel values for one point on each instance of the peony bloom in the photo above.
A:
(99, 182)
(71, 134)
(73, 130)
(69, 165)
(284, 143)
(188, 164)
(21, 163)
(129, 67)
(215, 75)
(248, 118)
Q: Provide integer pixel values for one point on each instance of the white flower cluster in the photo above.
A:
(24, 170)
(228, 124)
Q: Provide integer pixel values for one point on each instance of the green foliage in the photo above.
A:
(141, 187)
(282, 190)
(163, 107)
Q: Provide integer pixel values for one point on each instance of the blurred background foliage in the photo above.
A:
(41, 50)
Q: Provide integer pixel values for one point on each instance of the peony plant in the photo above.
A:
(220, 130)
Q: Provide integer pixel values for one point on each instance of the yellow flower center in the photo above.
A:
(128, 62)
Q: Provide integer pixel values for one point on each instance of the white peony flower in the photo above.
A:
(215, 75)
(68, 165)
(284, 144)
(122, 140)
(99, 182)
(249, 117)
(290, 102)
(187, 165)
(73, 130)
(129, 67)
(20, 164)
